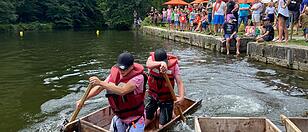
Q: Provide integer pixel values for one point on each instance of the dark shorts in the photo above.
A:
(305, 31)
(209, 17)
(268, 38)
(229, 35)
(295, 15)
(166, 110)
(271, 17)
(284, 17)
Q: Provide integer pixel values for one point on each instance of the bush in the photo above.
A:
(146, 21)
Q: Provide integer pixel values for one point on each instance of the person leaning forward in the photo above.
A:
(159, 95)
(125, 92)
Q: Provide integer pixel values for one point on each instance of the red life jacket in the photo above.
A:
(158, 87)
(130, 104)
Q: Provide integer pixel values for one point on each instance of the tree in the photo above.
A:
(7, 12)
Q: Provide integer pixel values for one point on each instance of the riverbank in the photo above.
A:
(214, 43)
(34, 26)
(290, 56)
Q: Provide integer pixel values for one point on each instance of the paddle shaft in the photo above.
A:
(83, 99)
(173, 95)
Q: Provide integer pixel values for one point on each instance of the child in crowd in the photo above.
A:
(183, 20)
(204, 21)
(177, 19)
(164, 12)
(192, 16)
(267, 31)
(197, 23)
(230, 32)
(303, 22)
(169, 12)
(270, 12)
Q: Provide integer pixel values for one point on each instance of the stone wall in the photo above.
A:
(290, 56)
(215, 43)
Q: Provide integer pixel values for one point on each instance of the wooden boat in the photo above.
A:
(234, 124)
(295, 124)
(100, 120)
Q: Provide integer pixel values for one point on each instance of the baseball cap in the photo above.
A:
(266, 19)
(125, 60)
(160, 55)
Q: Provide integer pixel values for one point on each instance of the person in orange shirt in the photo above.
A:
(197, 22)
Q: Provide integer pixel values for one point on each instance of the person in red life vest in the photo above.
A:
(159, 95)
(125, 92)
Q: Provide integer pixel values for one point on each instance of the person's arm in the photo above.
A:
(119, 90)
(95, 90)
(235, 8)
(180, 85)
(153, 64)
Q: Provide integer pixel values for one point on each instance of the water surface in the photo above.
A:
(44, 73)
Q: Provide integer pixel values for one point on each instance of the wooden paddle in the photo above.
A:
(83, 99)
(173, 96)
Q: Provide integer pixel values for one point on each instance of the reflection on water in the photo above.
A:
(45, 73)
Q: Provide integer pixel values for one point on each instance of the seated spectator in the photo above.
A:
(230, 32)
(303, 22)
(267, 31)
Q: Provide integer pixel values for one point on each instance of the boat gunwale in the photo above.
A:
(192, 107)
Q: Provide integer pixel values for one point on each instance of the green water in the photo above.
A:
(44, 73)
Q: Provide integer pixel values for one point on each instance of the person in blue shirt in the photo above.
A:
(243, 13)
(230, 32)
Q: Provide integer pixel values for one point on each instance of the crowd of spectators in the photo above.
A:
(258, 18)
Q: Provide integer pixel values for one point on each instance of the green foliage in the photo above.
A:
(75, 13)
(7, 12)
(146, 21)
(34, 26)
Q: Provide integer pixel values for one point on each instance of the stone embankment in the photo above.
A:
(290, 56)
(215, 43)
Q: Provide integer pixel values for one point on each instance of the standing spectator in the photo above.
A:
(303, 21)
(218, 14)
(164, 12)
(209, 8)
(230, 32)
(270, 12)
(294, 8)
(267, 31)
(169, 12)
(231, 8)
(192, 16)
(256, 12)
(177, 19)
(183, 20)
(283, 15)
(197, 23)
(243, 13)
(204, 20)
(151, 14)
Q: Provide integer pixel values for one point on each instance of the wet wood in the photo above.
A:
(234, 124)
(100, 120)
(295, 124)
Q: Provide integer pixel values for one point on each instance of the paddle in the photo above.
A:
(77, 110)
(173, 96)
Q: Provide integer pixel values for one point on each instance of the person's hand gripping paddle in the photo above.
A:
(77, 110)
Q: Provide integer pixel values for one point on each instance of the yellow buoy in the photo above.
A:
(21, 33)
(97, 32)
